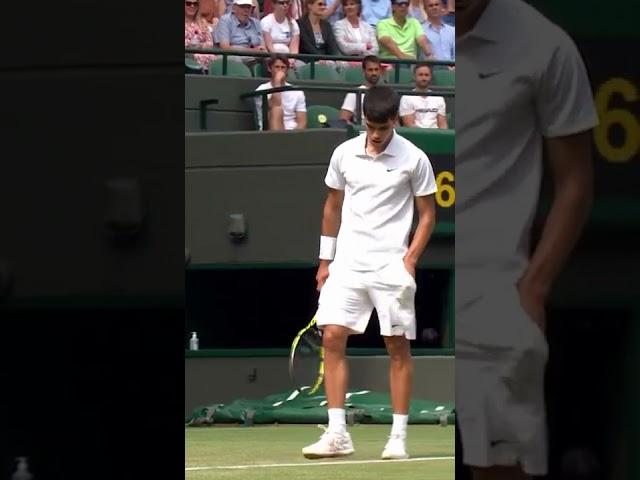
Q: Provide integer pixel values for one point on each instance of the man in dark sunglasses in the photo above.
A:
(400, 36)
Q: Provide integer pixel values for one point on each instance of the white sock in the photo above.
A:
(337, 421)
(399, 426)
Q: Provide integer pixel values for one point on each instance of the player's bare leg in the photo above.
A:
(336, 377)
(400, 381)
(335, 442)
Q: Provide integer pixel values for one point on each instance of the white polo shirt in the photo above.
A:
(377, 212)
(519, 79)
(426, 109)
(292, 102)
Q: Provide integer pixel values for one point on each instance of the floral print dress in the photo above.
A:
(199, 36)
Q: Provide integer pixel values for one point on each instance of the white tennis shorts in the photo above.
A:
(500, 363)
(348, 298)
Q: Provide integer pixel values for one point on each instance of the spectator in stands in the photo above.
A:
(354, 36)
(316, 34)
(281, 32)
(428, 111)
(226, 6)
(287, 110)
(417, 10)
(239, 31)
(449, 13)
(442, 37)
(209, 11)
(196, 33)
(400, 36)
(375, 10)
(372, 73)
(294, 11)
(334, 11)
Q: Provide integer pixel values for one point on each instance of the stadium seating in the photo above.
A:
(314, 112)
(234, 69)
(354, 75)
(406, 76)
(322, 72)
(443, 77)
(192, 67)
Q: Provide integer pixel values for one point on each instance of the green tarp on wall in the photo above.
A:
(292, 406)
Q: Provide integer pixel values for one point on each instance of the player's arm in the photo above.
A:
(331, 216)
(571, 166)
(346, 115)
(301, 120)
(442, 121)
(409, 120)
(425, 45)
(426, 207)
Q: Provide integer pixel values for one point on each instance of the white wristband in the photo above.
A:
(327, 247)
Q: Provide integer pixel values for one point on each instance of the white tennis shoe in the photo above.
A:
(395, 449)
(331, 444)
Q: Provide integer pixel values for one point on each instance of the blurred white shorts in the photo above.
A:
(500, 364)
(348, 298)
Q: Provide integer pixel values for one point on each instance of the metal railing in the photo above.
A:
(312, 59)
(312, 88)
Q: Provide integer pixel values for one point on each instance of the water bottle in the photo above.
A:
(22, 470)
(193, 342)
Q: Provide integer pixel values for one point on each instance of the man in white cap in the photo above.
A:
(238, 30)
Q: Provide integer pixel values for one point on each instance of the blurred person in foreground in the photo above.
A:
(367, 262)
(521, 88)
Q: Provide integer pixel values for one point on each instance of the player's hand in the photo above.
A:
(533, 298)
(323, 274)
(410, 265)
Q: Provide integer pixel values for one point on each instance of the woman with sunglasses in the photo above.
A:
(281, 32)
(197, 33)
(316, 34)
(354, 36)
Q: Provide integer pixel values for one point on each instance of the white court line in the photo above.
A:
(310, 464)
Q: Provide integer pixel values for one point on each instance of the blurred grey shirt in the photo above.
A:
(519, 79)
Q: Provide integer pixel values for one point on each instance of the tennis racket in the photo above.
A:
(306, 359)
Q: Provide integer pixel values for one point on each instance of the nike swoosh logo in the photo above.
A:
(483, 75)
(390, 169)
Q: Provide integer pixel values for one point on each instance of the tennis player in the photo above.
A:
(367, 262)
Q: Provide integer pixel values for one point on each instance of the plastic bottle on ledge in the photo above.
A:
(193, 341)
(22, 470)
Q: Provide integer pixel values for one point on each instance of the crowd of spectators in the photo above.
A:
(368, 30)
(415, 29)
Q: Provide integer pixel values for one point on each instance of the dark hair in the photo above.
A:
(278, 56)
(381, 104)
(370, 59)
(359, 2)
(422, 64)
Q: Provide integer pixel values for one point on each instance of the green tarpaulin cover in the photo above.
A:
(294, 406)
